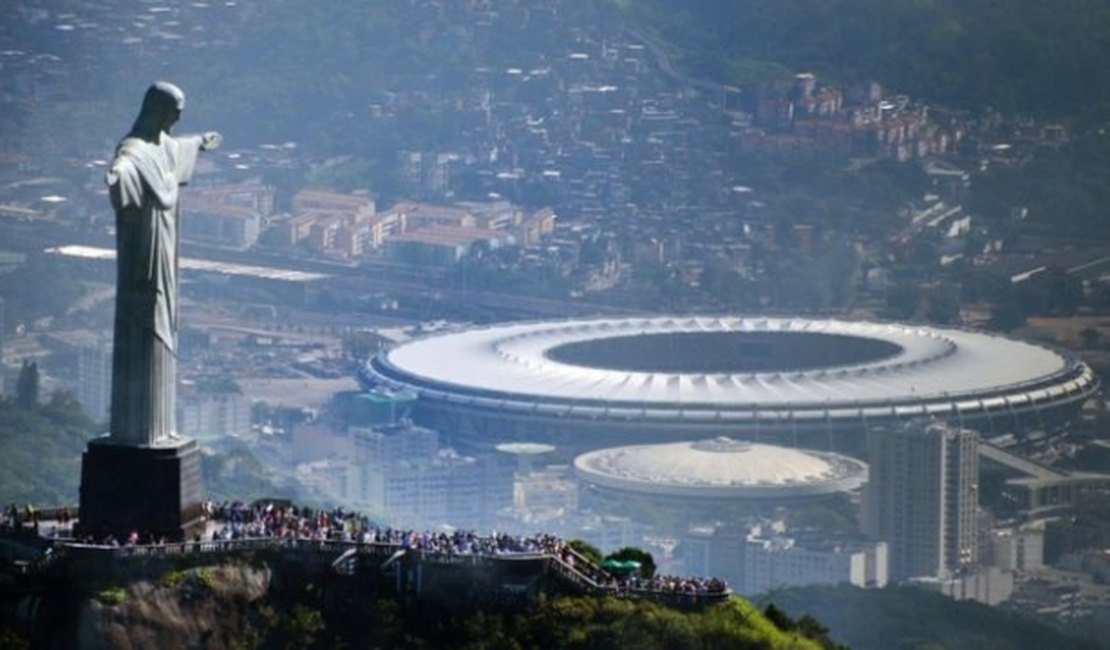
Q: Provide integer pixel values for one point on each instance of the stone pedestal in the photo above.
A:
(151, 490)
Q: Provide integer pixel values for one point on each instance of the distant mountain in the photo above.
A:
(903, 618)
(1024, 56)
(40, 452)
(40, 459)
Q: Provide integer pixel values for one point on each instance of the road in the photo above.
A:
(356, 279)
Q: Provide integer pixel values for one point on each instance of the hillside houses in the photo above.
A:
(231, 215)
(798, 118)
(347, 226)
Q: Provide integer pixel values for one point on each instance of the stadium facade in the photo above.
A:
(590, 384)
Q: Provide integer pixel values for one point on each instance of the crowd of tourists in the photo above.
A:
(235, 520)
(278, 520)
(25, 520)
(677, 584)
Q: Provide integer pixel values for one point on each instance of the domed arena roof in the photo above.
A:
(720, 468)
(704, 376)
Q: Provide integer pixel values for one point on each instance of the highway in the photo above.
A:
(359, 280)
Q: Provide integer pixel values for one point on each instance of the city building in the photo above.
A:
(549, 493)
(373, 408)
(335, 224)
(2, 330)
(440, 235)
(427, 173)
(923, 498)
(94, 378)
(774, 562)
(988, 585)
(420, 216)
(348, 225)
(229, 215)
(226, 225)
(319, 200)
(206, 416)
(761, 557)
(606, 532)
(88, 356)
(402, 473)
(1020, 548)
(439, 245)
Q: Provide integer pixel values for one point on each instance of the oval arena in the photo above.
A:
(588, 384)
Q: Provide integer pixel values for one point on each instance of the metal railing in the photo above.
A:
(567, 564)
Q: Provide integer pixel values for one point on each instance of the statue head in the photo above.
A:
(162, 106)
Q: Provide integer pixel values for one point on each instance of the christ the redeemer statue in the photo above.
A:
(149, 167)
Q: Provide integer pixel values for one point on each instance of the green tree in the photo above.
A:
(902, 300)
(1007, 316)
(779, 618)
(633, 554)
(943, 305)
(305, 625)
(1090, 337)
(586, 550)
(13, 640)
(360, 344)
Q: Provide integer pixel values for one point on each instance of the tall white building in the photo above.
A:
(2, 324)
(775, 562)
(1018, 549)
(758, 558)
(922, 498)
(990, 585)
(207, 416)
(401, 472)
(94, 379)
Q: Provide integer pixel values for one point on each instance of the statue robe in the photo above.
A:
(143, 186)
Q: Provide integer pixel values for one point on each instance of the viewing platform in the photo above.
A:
(416, 564)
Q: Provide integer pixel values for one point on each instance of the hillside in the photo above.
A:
(1024, 56)
(40, 451)
(282, 598)
(1047, 60)
(903, 618)
(40, 459)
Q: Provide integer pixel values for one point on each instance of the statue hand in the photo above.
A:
(210, 140)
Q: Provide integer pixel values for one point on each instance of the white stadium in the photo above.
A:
(588, 384)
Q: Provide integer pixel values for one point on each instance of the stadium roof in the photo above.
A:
(721, 468)
(733, 367)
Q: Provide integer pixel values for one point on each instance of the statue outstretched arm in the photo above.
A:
(210, 140)
(186, 148)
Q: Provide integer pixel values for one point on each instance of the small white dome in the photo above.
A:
(721, 467)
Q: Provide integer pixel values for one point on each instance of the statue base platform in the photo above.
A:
(150, 490)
